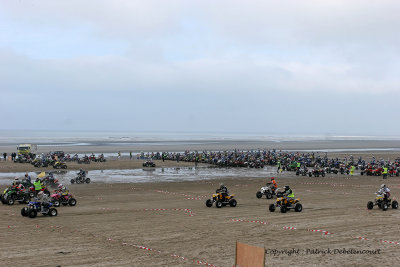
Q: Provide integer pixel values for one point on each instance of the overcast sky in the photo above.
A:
(302, 67)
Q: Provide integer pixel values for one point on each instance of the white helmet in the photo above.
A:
(383, 185)
(60, 186)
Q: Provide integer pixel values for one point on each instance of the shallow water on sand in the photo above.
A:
(152, 175)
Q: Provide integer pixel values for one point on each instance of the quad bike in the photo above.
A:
(80, 179)
(84, 160)
(12, 195)
(292, 166)
(100, 159)
(302, 172)
(32, 191)
(268, 191)
(343, 169)
(35, 207)
(377, 171)
(331, 170)
(382, 203)
(149, 164)
(317, 173)
(59, 198)
(221, 201)
(394, 172)
(40, 163)
(59, 165)
(284, 204)
(369, 171)
(50, 181)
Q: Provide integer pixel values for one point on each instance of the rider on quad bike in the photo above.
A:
(62, 189)
(288, 193)
(82, 173)
(384, 191)
(273, 185)
(223, 190)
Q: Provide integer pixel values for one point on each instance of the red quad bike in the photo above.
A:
(368, 171)
(393, 172)
(377, 171)
(65, 199)
(32, 191)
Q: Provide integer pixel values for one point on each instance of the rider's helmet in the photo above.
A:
(383, 185)
(26, 174)
(287, 187)
(60, 186)
(272, 178)
(40, 194)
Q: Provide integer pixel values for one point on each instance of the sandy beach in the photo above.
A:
(168, 223)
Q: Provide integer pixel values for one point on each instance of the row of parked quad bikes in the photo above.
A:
(59, 163)
(369, 171)
(284, 204)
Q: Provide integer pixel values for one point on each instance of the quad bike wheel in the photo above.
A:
(323, 174)
(298, 207)
(233, 202)
(272, 207)
(370, 205)
(269, 195)
(52, 212)
(283, 209)
(26, 200)
(10, 200)
(87, 180)
(209, 203)
(32, 213)
(309, 174)
(72, 181)
(218, 204)
(384, 206)
(56, 203)
(78, 181)
(259, 194)
(395, 204)
(72, 202)
(24, 211)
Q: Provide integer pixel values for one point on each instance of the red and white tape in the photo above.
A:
(261, 222)
(199, 262)
(361, 238)
(240, 220)
(390, 242)
(188, 211)
(321, 231)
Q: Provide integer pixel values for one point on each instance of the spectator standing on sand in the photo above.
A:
(5, 156)
(119, 154)
(130, 155)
